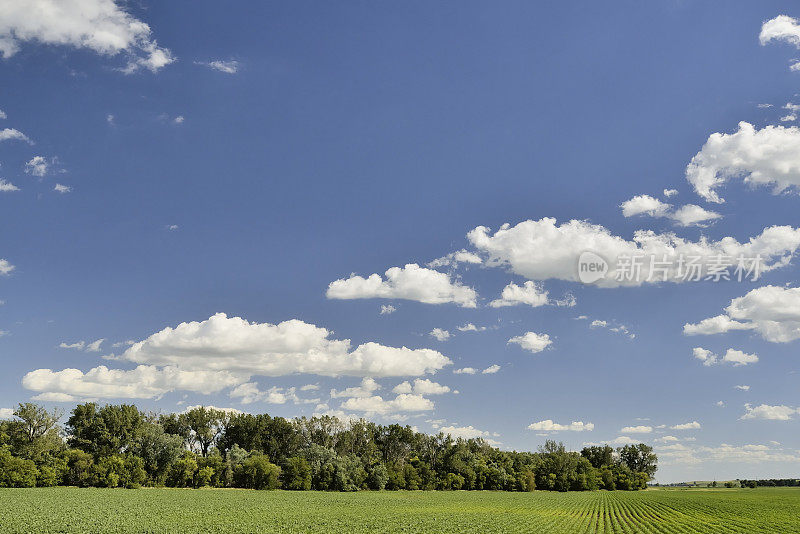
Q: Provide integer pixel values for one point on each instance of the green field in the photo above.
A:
(223, 510)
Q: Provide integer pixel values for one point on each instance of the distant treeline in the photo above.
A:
(770, 482)
(121, 446)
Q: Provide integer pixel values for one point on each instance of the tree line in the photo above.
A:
(122, 446)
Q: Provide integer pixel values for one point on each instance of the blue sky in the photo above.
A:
(239, 161)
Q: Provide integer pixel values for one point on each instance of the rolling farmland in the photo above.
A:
(222, 510)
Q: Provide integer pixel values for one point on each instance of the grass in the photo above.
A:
(174, 510)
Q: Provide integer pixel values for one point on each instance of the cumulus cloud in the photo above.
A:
(770, 156)
(694, 425)
(230, 66)
(387, 309)
(540, 250)
(492, 369)
(640, 429)
(439, 334)
(6, 186)
(548, 425)
(470, 327)
(736, 357)
(644, 205)
(531, 341)
(411, 282)
(236, 345)
(688, 215)
(529, 293)
(771, 311)
(61, 188)
(12, 134)
(249, 393)
(780, 28)
(774, 413)
(742, 387)
(143, 382)
(367, 387)
(6, 413)
(376, 405)
(678, 453)
(454, 258)
(421, 386)
(98, 25)
(670, 192)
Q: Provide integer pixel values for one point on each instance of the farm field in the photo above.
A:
(223, 510)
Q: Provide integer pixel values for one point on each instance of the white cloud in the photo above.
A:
(529, 293)
(387, 309)
(236, 345)
(411, 282)
(179, 119)
(366, 389)
(143, 382)
(376, 405)
(736, 357)
(37, 166)
(229, 66)
(692, 215)
(249, 393)
(770, 156)
(9, 134)
(439, 334)
(6, 413)
(598, 323)
(469, 327)
(172, 227)
(670, 192)
(764, 106)
(721, 404)
(549, 426)
(681, 454)
(3, 114)
(6, 186)
(666, 439)
(492, 369)
(110, 119)
(99, 25)
(765, 411)
(789, 118)
(742, 387)
(540, 250)
(60, 188)
(465, 371)
(781, 28)
(421, 386)
(688, 215)
(771, 311)
(694, 425)
(454, 258)
(644, 205)
(532, 341)
(5, 267)
(640, 429)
